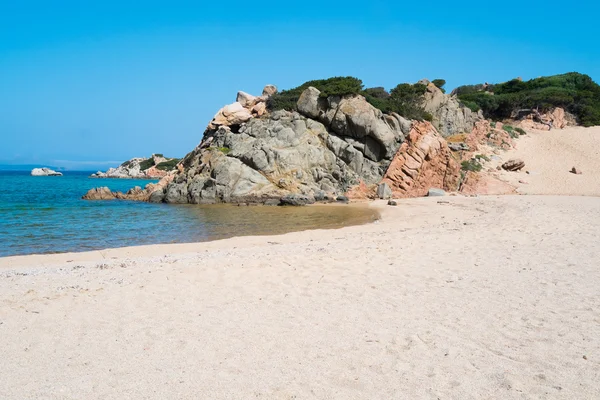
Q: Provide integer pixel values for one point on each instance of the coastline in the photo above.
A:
(490, 296)
(177, 248)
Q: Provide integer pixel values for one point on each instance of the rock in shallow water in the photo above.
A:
(100, 193)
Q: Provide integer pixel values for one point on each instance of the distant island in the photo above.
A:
(45, 172)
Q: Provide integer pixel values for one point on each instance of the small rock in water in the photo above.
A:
(392, 203)
(576, 171)
(434, 192)
(342, 199)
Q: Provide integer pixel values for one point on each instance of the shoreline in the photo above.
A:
(449, 297)
(24, 260)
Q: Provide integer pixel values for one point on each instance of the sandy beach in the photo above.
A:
(493, 297)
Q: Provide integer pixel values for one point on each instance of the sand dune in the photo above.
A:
(549, 156)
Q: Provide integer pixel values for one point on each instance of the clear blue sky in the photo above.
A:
(86, 84)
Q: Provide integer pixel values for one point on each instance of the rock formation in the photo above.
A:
(331, 148)
(44, 172)
(558, 118)
(154, 167)
(136, 193)
(449, 116)
(423, 161)
(327, 147)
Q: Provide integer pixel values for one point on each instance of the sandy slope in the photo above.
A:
(549, 156)
(452, 298)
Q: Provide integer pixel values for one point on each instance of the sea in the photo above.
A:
(42, 215)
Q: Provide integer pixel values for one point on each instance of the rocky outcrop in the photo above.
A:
(557, 119)
(154, 167)
(329, 146)
(245, 108)
(423, 161)
(99, 193)
(44, 172)
(449, 116)
(135, 194)
(332, 147)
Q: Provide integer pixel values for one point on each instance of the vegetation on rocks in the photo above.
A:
(405, 99)
(440, 83)
(576, 93)
(168, 165)
(148, 163)
(472, 165)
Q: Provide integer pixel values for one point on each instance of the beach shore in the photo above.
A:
(466, 298)
(454, 297)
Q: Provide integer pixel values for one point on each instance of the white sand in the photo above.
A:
(477, 298)
(549, 156)
(444, 298)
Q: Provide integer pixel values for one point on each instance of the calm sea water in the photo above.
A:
(47, 215)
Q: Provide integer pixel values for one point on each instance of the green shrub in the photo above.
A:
(471, 105)
(520, 131)
(482, 157)
(159, 155)
(148, 163)
(508, 128)
(471, 165)
(576, 93)
(467, 89)
(377, 92)
(224, 150)
(405, 99)
(168, 165)
(440, 83)
(337, 86)
(493, 124)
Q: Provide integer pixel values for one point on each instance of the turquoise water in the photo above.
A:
(47, 215)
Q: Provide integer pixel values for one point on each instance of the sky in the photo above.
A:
(88, 86)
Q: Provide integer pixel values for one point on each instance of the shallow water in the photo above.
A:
(47, 215)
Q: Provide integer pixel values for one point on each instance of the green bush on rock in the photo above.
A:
(405, 99)
(576, 93)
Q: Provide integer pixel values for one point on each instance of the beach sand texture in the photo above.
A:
(493, 297)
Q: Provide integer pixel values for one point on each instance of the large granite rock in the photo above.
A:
(264, 159)
(44, 172)
(449, 116)
(331, 148)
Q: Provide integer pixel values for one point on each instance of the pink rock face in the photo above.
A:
(422, 162)
(361, 192)
(154, 172)
(100, 193)
(558, 118)
(259, 109)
